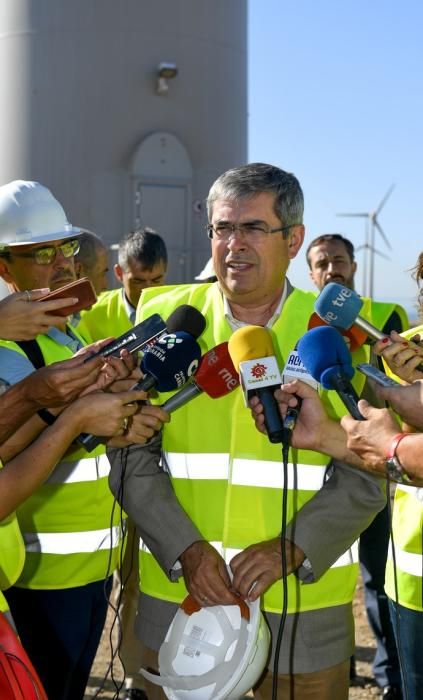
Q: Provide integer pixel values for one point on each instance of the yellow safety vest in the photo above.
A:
(407, 529)
(381, 311)
(226, 475)
(67, 524)
(108, 317)
(12, 554)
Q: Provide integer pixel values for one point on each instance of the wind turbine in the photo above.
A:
(372, 224)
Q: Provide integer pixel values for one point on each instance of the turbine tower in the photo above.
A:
(372, 225)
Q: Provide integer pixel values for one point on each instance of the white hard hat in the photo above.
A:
(206, 272)
(212, 653)
(30, 214)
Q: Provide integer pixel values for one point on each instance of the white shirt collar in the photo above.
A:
(236, 323)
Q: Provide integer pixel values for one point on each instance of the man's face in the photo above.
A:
(136, 278)
(252, 272)
(98, 272)
(25, 273)
(330, 262)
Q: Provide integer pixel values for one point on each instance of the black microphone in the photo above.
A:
(326, 356)
(185, 318)
(167, 365)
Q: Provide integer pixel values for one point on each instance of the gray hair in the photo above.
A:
(249, 180)
(89, 246)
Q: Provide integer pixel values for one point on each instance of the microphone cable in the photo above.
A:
(285, 453)
(116, 620)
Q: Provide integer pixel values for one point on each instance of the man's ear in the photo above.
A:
(118, 272)
(295, 240)
(4, 271)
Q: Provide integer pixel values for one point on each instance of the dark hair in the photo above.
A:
(255, 178)
(89, 245)
(145, 246)
(331, 237)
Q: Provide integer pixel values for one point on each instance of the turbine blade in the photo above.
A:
(382, 255)
(378, 226)
(385, 198)
(360, 214)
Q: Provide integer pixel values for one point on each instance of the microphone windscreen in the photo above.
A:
(249, 343)
(338, 305)
(186, 318)
(216, 375)
(323, 351)
(172, 360)
(355, 337)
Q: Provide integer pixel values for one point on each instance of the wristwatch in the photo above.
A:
(393, 467)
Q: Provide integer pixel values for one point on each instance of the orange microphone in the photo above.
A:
(354, 337)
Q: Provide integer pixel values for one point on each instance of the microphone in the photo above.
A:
(216, 376)
(354, 337)
(169, 363)
(340, 306)
(135, 339)
(327, 358)
(252, 353)
(185, 318)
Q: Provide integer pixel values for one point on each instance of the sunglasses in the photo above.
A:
(46, 255)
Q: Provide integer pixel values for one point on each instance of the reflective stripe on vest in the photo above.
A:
(71, 542)
(407, 528)
(73, 503)
(89, 469)
(227, 476)
(245, 472)
(349, 557)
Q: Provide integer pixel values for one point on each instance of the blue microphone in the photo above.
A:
(324, 353)
(169, 363)
(340, 306)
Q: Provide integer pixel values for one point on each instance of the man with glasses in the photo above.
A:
(71, 531)
(228, 478)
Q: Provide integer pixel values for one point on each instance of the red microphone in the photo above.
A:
(216, 376)
(354, 337)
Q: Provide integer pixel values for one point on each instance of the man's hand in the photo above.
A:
(371, 438)
(61, 382)
(143, 425)
(22, 317)
(257, 567)
(206, 576)
(406, 400)
(104, 413)
(313, 422)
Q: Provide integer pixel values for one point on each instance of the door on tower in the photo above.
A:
(161, 199)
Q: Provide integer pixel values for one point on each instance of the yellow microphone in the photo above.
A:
(252, 352)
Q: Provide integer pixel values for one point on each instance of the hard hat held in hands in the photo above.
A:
(212, 653)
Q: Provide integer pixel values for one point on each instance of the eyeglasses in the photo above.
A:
(46, 255)
(253, 231)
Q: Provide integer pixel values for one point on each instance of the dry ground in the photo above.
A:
(364, 690)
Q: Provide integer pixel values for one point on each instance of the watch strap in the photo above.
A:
(394, 468)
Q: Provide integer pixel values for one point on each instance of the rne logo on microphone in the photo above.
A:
(230, 381)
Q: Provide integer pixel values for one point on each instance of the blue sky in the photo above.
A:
(335, 96)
